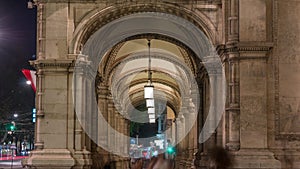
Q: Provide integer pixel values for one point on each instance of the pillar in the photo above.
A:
(52, 123)
(233, 108)
(247, 120)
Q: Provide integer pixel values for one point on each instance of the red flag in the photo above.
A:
(30, 76)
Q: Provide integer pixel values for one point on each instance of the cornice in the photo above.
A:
(245, 50)
(254, 50)
(254, 46)
(53, 64)
(201, 2)
(288, 137)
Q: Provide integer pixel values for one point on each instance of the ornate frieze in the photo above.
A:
(111, 13)
(54, 65)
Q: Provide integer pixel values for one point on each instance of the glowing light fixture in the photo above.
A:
(151, 110)
(149, 90)
(151, 116)
(152, 120)
(149, 102)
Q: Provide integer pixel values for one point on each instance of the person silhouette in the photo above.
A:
(219, 158)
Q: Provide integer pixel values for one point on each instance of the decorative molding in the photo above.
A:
(254, 51)
(99, 18)
(255, 47)
(288, 137)
(185, 51)
(53, 63)
(245, 48)
(188, 60)
(221, 48)
(203, 2)
(110, 59)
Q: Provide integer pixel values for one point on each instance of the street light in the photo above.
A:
(15, 115)
(28, 82)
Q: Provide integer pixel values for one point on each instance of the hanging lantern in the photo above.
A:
(151, 120)
(151, 116)
(149, 103)
(151, 110)
(148, 91)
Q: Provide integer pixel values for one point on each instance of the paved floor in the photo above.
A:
(9, 158)
(9, 164)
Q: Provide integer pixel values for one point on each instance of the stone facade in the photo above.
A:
(257, 41)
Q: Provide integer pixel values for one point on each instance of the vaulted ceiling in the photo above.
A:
(125, 70)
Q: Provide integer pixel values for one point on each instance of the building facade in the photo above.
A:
(226, 72)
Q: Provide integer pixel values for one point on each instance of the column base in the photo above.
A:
(189, 163)
(290, 158)
(203, 162)
(100, 158)
(50, 159)
(255, 159)
(248, 159)
(182, 160)
(83, 159)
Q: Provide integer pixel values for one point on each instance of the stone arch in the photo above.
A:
(109, 59)
(155, 55)
(97, 18)
(168, 25)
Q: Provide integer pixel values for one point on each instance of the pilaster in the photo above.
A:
(52, 116)
(233, 108)
(254, 151)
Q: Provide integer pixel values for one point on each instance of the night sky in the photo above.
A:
(17, 47)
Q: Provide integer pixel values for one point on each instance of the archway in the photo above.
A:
(128, 26)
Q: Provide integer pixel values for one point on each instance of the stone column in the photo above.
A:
(103, 107)
(52, 116)
(185, 120)
(122, 139)
(103, 122)
(234, 103)
(190, 116)
(205, 96)
(254, 151)
(111, 123)
(233, 108)
(211, 117)
(90, 112)
(200, 115)
(117, 123)
(83, 108)
(40, 112)
(127, 133)
(180, 129)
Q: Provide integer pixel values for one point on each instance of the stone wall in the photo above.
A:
(284, 90)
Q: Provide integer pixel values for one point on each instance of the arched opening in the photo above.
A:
(126, 81)
(116, 55)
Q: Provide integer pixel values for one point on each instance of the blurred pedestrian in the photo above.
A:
(136, 163)
(161, 163)
(219, 158)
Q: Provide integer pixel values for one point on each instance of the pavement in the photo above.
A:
(9, 158)
(9, 163)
